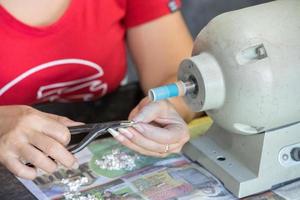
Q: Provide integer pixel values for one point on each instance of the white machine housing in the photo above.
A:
(246, 65)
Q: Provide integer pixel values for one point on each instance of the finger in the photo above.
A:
(136, 110)
(133, 113)
(172, 148)
(53, 149)
(37, 158)
(174, 134)
(154, 110)
(54, 129)
(126, 142)
(139, 140)
(172, 117)
(19, 169)
(64, 120)
(147, 113)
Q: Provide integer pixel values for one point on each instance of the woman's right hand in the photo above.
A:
(28, 135)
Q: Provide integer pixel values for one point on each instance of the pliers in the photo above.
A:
(94, 130)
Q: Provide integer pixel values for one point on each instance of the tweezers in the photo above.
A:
(94, 130)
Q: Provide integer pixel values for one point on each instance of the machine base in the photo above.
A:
(246, 164)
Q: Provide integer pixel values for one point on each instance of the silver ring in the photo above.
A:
(167, 148)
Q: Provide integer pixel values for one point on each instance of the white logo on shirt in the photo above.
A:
(54, 92)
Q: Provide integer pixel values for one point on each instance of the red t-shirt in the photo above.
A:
(78, 58)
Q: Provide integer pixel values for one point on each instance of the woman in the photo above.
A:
(74, 50)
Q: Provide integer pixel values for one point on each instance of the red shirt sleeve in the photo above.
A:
(141, 11)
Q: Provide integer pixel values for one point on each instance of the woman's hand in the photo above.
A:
(159, 130)
(28, 135)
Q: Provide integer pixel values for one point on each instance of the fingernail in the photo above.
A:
(75, 165)
(139, 118)
(116, 134)
(113, 132)
(139, 127)
(126, 132)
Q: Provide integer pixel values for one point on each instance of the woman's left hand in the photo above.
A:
(159, 129)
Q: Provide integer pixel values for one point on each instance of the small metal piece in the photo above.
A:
(72, 188)
(117, 160)
(127, 123)
(94, 131)
(167, 148)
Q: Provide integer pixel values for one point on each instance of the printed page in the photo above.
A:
(140, 177)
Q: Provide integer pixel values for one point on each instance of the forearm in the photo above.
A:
(158, 48)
